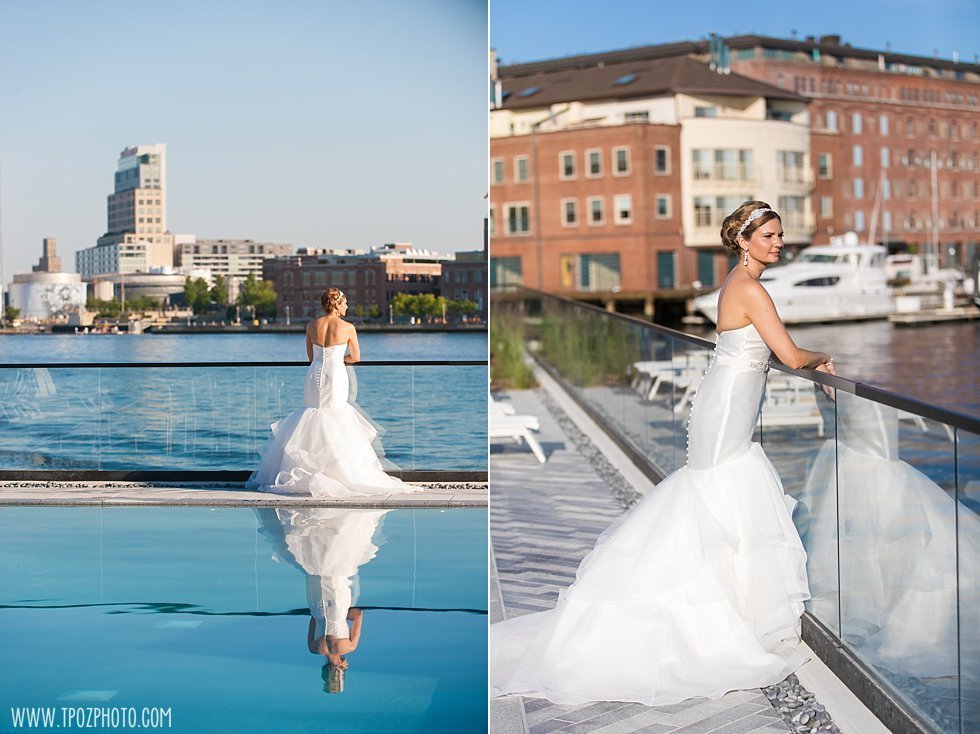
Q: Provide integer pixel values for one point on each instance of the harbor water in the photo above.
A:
(428, 417)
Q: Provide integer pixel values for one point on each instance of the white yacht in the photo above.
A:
(842, 281)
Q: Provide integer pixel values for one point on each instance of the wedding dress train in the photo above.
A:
(324, 449)
(697, 590)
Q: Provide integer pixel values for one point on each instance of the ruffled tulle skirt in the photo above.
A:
(696, 591)
(324, 452)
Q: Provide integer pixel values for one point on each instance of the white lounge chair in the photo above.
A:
(517, 428)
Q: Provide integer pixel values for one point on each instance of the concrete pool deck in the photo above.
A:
(132, 494)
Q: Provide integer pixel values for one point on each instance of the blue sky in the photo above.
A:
(314, 122)
(529, 30)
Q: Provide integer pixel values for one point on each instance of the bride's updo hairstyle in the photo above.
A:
(331, 300)
(738, 223)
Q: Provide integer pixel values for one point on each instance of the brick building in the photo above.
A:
(877, 120)
(611, 172)
(370, 280)
(465, 279)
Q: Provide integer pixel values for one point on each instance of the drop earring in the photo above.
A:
(745, 258)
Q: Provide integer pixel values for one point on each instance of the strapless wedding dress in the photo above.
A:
(695, 591)
(324, 449)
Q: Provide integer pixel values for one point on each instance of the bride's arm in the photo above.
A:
(761, 311)
(353, 348)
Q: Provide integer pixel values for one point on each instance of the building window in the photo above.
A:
(641, 116)
(886, 189)
(498, 170)
(884, 157)
(932, 127)
(623, 207)
(859, 221)
(722, 164)
(706, 268)
(662, 210)
(886, 221)
(832, 121)
(518, 219)
(706, 112)
(789, 166)
(621, 161)
(826, 207)
(910, 127)
(661, 160)
(566, 165)
(858, 153)
(569, 212)
(505, 271)
(859, 188)
(598, 272)
(825, 168)
(666, 270)
(596, 210)
(492, 222)
(911, 189)
(856, 123)
(792, 211)
(883, 124)
(520, 169)
(593, 157)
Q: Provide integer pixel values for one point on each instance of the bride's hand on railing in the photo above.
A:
(830, 369)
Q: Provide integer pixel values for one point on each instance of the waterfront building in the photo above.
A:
(369, 279)
(883, 121)
(464, 278)
(234, 260)
(611, 172)
(136, 238)
(46, 292)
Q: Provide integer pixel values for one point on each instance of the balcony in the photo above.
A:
(887, 493)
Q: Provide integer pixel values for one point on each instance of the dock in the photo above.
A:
(935, 316)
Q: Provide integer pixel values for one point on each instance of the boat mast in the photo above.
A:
(876, 210)
(935, 208)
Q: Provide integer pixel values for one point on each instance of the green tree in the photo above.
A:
(11, 314)
(196, 295)
(421, 305)
(260, 295)
(141, 303)
(104, 309)
(219, 291)
(460, 308)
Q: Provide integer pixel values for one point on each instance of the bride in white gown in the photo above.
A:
(324, 449)
(698, 589)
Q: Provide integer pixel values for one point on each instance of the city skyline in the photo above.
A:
(906, 26)
(312, 125)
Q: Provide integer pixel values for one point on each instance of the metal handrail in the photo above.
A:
(960, 421)
(128, 365)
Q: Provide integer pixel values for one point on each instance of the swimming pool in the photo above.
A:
(197, 619)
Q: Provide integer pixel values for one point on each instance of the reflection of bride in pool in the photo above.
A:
(329, 545)
(897, 550)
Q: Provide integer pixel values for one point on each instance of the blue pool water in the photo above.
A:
(205, 612)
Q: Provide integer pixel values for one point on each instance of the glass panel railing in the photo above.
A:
(886, 490)
(968, 576)
(797, 429)
(897, 520)
(217, 417)
(638, 380)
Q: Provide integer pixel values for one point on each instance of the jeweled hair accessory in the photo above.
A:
(340, 295)
(756, 213)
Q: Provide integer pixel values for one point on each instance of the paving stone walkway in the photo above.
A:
(544, 518)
